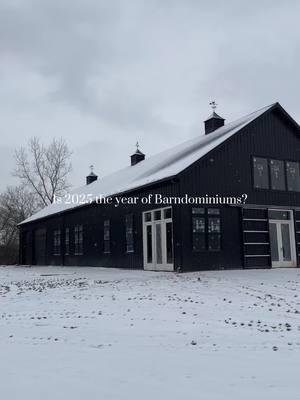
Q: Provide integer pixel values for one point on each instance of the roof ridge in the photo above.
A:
(210, 135)
(160, 166)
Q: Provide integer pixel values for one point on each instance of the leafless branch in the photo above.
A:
(44, 169)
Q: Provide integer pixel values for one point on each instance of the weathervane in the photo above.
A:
(137, 145)
(92, 168)
(213, 105)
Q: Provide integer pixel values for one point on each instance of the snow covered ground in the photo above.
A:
(92, 333)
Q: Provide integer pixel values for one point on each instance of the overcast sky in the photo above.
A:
(103, 74)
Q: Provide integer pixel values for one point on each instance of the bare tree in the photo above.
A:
(44, 169)
(16, 204)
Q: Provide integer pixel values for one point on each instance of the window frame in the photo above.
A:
(253, 173)
(197, 215)
(214, 234)
(286, 175)
(206, 234)
(285, 161)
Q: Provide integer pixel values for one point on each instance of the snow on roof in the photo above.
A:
(160, 166)
(214, 115)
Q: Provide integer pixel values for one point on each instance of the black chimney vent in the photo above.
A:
(138, 156)
(214, 121)
(92, 176)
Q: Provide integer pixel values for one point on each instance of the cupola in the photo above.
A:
(92, 176)
(138, 156)
(214, 121)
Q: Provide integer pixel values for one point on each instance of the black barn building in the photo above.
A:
(226, 199)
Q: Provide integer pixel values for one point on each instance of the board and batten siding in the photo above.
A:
(92, 218)
(227, 171)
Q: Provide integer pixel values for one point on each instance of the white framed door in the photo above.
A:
(282, 241)
(158, 240)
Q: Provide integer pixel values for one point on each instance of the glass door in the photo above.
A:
(158, 243)
(149, 252)
(286, 242)
(282, 239)
(158, 240)
(169, 242)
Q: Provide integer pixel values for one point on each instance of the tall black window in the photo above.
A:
(67, 241)
(106, 235)
(260, 173)
(293, 176)
(129, 233)
(206, 224)
(213, 229)
(78, 239)
(56, 242)
(277, 175)
(198, 225)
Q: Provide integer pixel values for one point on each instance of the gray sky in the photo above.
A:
(104, 73)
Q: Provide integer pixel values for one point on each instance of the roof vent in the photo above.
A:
(92, 176)
(214, 121)
(138, 156)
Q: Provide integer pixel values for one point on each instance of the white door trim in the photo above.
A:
(290, 223)
(164, 265)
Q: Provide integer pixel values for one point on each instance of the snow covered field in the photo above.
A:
(91, 333)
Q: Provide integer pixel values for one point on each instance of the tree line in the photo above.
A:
(42, 173)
